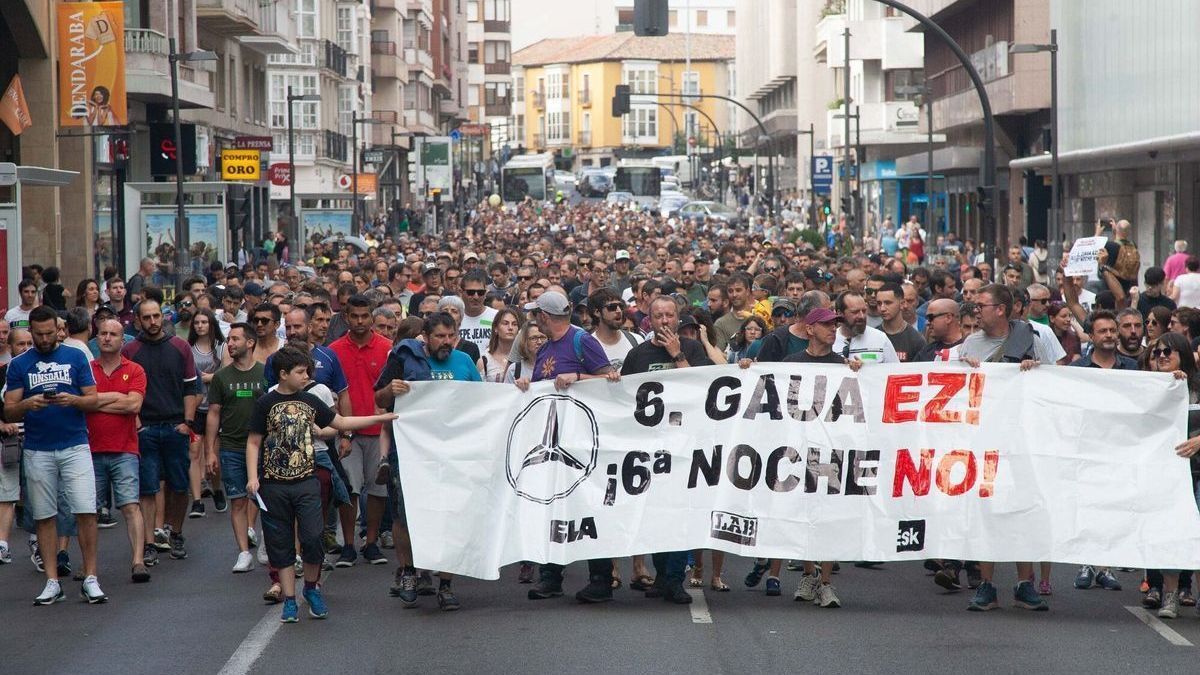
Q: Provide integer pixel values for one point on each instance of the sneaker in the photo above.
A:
(395, 588)
(806, 591)
(1108, 581)
(932, 566)
(525, 575)
(756, 573)
(948, 577)
(91, 591)
(974, 578)
(1186, 598)
(549, 585)
(347, 558)
(316, 603)
(446, 600)
(826, 597)
(197, 510)
(1170, 607)
(291, 611)
(245, 562)
(35, 556)
(298, 567)
(205, 489)
(675, 593)
(178, 552)
(105, 520)
(1153, 599)
(51, 594)
(386, 541)
(63, 562)
(140, 574)
(273, 594)
(372, 554)
(1025, 596)
(425, 583)
(1085, 578)
(326, 566)
(985, 598)
(5, 555)
(1044, 587)
(408, 588)
(773, 586)
(599, 589)
(252, 536)
(261, 556)
(220, 503)
(795, 566)
(149, 555)
(162, 538)
(330, 542)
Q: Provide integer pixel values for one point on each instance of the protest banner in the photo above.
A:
(809, 462)
(1084, 256)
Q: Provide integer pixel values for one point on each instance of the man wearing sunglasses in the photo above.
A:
(608, 316)
(944, 331)
(477, 318)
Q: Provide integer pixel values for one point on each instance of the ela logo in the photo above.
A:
(910, 535)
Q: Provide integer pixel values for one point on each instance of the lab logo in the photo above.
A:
(910, 535)
(553, 445)
(736, 528)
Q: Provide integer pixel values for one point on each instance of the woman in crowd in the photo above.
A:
(1156, 323)
(494, 363)
(751, 331)
(701, 332)
(208, 352)
(1061, 323)
(87, 295)
(529, 342)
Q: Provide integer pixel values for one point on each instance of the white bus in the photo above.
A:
(528, 176)
(640, 178)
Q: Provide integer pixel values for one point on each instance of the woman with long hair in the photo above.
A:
(208, 351)
(493, 363)
(529, 341)
(1171, 353)
(704, 332)
(1157, 321)
(1062, 323)
(87, 295)
(752, 329)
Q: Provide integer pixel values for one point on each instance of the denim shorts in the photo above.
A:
(51, 473)
(233, 473)
(119, 469)
(164, 457)
(10, 483)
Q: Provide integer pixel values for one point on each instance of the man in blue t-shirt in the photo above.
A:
(50, 387)
(410, 361)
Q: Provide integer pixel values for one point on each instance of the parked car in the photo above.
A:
(700, 210)
(618, 197)
(669, 204)
(564, 179)
(594, 184)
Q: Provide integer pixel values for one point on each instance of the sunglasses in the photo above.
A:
(688, 273)
(869, 291)
(931, 317)
(771, 270)
(613, 307)
(1161, 353)
(262, 319)
(520, 278)
(475, 292)
(785, 313)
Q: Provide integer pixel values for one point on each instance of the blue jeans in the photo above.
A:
(120, 470)
(164, 456)
(233, 473)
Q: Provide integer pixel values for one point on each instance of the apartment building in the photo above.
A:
(531, 21)
(489, 81)
(768, 84)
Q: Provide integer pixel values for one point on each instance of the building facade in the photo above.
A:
(535, 20)
(489, 83)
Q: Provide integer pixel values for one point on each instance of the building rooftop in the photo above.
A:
(625, 45)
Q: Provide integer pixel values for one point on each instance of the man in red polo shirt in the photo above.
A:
(362, 353)
(112, 432)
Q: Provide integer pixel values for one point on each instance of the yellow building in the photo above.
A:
(564, 90)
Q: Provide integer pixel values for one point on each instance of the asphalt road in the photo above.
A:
(197, 617)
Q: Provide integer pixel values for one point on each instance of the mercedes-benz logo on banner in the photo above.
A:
(552, 448)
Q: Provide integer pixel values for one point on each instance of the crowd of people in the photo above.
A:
(265, 389)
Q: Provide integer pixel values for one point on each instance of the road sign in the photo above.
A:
(280, 174)
(472, 129)
(372, 157)
(455, 135)
(822, 174)
(240, 165)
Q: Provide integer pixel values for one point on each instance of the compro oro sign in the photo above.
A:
(240, 165)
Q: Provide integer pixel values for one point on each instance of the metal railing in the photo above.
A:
(585, 138)
(585, 97)
(145, 41)
(383, 47)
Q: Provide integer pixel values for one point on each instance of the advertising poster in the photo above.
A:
(91, 64)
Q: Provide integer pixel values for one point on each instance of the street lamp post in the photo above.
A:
(355, 120)
(294, 234)
(812, 186)
(1054, 231)
(182, 257)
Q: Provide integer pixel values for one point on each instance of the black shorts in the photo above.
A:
(395, 496)
(293, 511)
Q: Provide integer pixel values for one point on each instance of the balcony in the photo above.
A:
(419, 120)
(497, 109)
(335, 146)
(539, 141)
(539, 99)
(498, 68)
(333, 57)
(236, 18)
(585, 98)
(585, 139)
(418, 59)
(386, 116)
(497, 26)
(385, 4)
(383, 47)
(148, 72)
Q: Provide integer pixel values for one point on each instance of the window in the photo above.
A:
(672, 19)
(495, 10)
(624, 19)
(691, 123)
(587, 85)
(489, 93)
(642, 80)
(519, 85)
(473, 10)
(472, 52)
(558, 85)
(495, 52)
(559, 127)
(345, 29)
(519, 131)
(701, 18)
(305, 114)
(346, 106)
(380, 36)
(473, 96)
(219, 83)
(731, 19)
(903, 85)
(641, 125)
(691, 83)
(306, 18)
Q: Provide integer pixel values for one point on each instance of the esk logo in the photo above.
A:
(910, 535)
(553, 446)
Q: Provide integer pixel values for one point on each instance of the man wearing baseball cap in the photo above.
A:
(620, 276)
(569, 355)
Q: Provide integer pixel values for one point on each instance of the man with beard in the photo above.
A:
(1130, 331)
(855, 339)
(411, 361)
(692, 288)
(717, 299)
(608, 315)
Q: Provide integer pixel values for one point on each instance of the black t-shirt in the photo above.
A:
(930, 352)
(908, 343)
(470, 349)
(286, 424)
(648, 357)
(805, 357)
(1149, 302)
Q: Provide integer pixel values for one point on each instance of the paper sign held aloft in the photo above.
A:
(1084, 256)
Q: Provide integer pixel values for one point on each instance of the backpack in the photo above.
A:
(1128, 261)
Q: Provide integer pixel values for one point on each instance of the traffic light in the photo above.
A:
(650, 18)
(983, 199)
(847, 205)
(620, 100)
(436, 194)
(826, 210)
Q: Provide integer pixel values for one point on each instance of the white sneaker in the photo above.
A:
(245, 562)
(253, 536)
(1170, 606)
(826, 597)
(91, 591)
(807, 590)
(51, 594)
(5, 554)
(262, 555)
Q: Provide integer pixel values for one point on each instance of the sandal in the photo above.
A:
(718, 585)
(616, 582)
(696, 582)
(641, 583)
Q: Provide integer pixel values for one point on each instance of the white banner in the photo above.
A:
(807, 462)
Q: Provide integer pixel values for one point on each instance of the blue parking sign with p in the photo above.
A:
(822, 174)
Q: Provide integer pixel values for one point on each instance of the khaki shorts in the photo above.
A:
(362, 465)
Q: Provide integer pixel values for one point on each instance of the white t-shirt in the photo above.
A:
(873, 346)
(616, 352)
(1189, 289)
(478, 329)
(17, 317)
(1049, 340)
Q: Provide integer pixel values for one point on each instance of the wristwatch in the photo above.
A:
(679, 357)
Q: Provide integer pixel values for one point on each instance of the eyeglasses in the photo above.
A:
(475, 292)
(613, 307)
(1151, 322)
(1033, 300)
(521, 278)
(869, 291)
(262, 320)
(688, 273)
(537, 338)
(1161, 353)
(981, 305)
(770, 270)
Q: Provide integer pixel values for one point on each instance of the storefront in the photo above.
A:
(888, 194)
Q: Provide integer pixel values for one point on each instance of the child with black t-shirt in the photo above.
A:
(280, 451)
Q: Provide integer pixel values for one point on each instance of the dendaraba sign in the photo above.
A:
(91, 64)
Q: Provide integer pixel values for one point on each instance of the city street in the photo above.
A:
(197, 617)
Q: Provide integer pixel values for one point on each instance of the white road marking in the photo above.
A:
(699, 606)
(247, 653)
(1159, 627)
